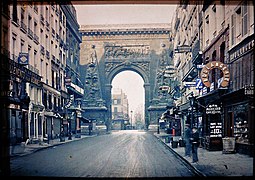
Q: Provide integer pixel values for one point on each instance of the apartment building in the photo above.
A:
(37, 42)
(120, 109)
(214, 43)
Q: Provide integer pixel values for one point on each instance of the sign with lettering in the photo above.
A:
(249, 89)
(183, 49)
(23, 58)
(213, 109)
(212, 65)
(215, 129)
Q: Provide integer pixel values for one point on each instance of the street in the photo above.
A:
(129, 153)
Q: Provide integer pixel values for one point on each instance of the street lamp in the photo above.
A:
(192, 101)
(158, 125)
(131, 119)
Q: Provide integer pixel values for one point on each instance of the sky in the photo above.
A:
(124, 14)
(130, 82)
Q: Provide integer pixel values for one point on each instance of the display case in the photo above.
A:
(241, 131)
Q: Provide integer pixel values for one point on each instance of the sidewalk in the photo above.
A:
(22, 149)
(215, 163)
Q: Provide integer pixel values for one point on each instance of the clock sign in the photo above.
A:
(211, 65)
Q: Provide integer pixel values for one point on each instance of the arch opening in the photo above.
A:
(128, 101)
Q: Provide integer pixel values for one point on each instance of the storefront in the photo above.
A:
(239, 120)
(212, 120)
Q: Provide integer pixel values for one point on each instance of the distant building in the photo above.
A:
(120, 109)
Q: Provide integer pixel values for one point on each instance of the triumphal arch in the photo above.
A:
(107, 50)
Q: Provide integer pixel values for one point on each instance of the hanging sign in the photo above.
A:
(23, 58)
(212, 65)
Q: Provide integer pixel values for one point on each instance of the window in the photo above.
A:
(45, 100)
(41, 70)
(50, 101)
(115, 101)
(52, 78)
(14, 12)
(233, 30)
(46, 73)
(14, 37)
(244, 19)
(115, 109)
(22, 45)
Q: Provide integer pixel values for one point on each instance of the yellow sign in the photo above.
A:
(211, 65)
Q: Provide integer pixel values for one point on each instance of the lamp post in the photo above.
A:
(158, 125)
(192, 101)
(131, 119)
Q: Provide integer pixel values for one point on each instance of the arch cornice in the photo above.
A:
(113, 68)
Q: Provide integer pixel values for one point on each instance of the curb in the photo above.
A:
(186, 162)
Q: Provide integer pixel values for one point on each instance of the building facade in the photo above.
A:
(75, 87)
(219, 78)
(120, 109)
(46, 38)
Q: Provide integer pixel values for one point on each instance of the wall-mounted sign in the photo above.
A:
(215, 129)
(249, 89)
(213, 109)
(199, 84)
(23, 58)
(211, 65)
(182, 49)
(189, 84)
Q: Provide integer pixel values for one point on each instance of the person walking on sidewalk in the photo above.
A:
(187, 136)
(195, 144)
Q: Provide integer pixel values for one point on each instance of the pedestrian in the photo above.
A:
(195, 144)
(187, 136)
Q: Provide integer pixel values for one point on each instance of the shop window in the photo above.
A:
(241, 129)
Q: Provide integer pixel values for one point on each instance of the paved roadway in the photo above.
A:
(129, 153)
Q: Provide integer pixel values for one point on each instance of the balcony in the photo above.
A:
(23, 27)
(53, 32)
(33, 69)
(47, 25)
(30, 33)
(36, 39)
(42, 19)
(47, 54)
(42, 50)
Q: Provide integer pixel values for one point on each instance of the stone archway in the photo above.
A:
(107, 51)
(132, 66)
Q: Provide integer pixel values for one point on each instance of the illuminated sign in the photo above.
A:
(212, 65)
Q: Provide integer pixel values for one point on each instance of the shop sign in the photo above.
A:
(199, 84)
(68, 81)
(215, 129)
(249, 89)
(23, 58)
(189, 84)
(183, 49)
(213, 109)
(204, 91)
(14, 106)
(212, 65)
